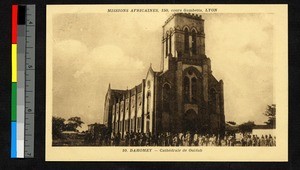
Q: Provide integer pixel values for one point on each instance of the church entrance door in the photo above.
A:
(190, 121)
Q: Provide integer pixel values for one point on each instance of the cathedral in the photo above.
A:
(182, 96)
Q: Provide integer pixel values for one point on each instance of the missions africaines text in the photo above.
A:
(153, 10)
(132, 10)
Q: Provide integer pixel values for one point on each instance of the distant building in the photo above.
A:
(183, 96)
(96, 129)
(70, 134)
(260, 130)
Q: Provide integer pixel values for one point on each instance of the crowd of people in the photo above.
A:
(255, 140)
(182, 139)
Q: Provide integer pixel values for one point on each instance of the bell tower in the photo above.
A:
(183, 37)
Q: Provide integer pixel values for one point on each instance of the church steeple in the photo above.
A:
(183, 37)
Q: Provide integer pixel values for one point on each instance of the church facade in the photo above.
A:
(182, 96)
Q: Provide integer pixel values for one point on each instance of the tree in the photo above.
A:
(231, 123)
(271, 114)
(73, 123)
(246, 127)
(58, 126)
(231, 127)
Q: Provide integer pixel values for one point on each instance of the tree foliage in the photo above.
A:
(231, 123)
(58, 126)
(271, 114)
(246, 127)
(73, 124)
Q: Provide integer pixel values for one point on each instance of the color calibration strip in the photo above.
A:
(14, 82)
(23, 77)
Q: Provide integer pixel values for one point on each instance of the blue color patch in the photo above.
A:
(13, 153)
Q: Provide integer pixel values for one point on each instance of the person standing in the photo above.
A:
(149, 139)
(184, 140)
(144, 138)
(163, 139)
(267, 141)
(271, 140)
(131, 141)
(112, 140)
(262, 141)
(127, 139)
(254, 141)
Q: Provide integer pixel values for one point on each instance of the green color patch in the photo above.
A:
(13, 102)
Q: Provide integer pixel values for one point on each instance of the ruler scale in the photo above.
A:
(23, 81)
(29, 81)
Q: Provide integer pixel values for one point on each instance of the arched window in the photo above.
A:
(194, 42)
(148, 112)
(170, 44)
(121, 126)
(186, 40)
(132, 124)
(148, 102)
(186, 89)
(117, 111)
(213, 99)
(213, 96)
(194, 89)
(166, 98)
(167, 48)
(132, 101)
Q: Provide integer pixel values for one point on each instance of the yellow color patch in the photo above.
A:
(14, 70)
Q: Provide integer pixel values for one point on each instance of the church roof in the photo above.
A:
(150, 70)
(118, 92)
(140, 88)
(212, 79)
(187, 15)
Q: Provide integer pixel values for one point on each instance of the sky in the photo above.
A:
(91, 50)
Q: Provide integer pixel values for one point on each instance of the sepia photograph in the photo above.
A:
(166, 82)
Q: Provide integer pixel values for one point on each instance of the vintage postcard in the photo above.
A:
(167, 83)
